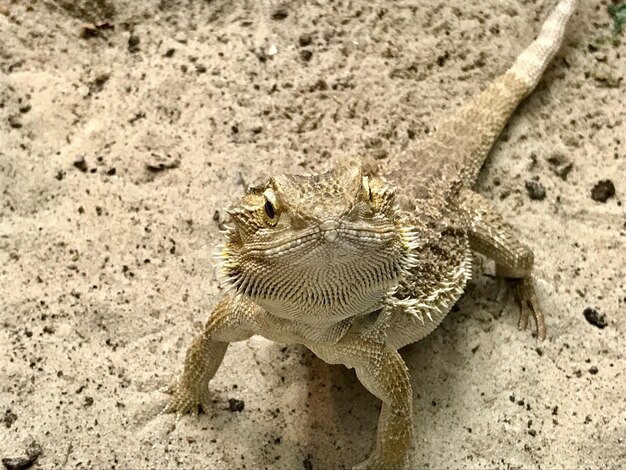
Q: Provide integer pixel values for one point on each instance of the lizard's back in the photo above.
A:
(434, 179)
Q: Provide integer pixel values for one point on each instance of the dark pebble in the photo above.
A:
(320, 85)
(261, 55)
(564, 170)
(305, 40)
(593, 370)
(101, 79)
(133, 43)
(158, 166)
(595, 318)
(560, 165)
(306, 55)
(88, 402)
(603, 190)
(280, 14)
(111, 171)
(535, 190)
(14, 121)
(169, 52)
(20, 463)
(136, 117)
(235, 405)
(89, 31)
(81, 163)
(307, 464)
(9, 418)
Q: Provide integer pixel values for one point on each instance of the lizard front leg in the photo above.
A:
(491, 236)
(383, 372)
(191, 391)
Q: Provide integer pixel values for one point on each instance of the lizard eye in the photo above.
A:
(270, 209)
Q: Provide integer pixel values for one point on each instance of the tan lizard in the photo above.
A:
(355, 264)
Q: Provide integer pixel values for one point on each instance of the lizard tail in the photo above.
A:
(466, 137)
(533, 61)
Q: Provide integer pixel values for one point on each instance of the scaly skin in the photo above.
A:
(356, 264)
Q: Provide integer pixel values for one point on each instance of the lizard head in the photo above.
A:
(317, 248)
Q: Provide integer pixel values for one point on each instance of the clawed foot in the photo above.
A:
(524, 290)
(185, 400)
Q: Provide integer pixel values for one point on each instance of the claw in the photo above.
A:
(184, 401)
(524, 290)
(169, 389)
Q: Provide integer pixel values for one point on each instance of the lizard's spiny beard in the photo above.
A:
(317, 281)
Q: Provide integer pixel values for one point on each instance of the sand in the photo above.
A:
(127, 128)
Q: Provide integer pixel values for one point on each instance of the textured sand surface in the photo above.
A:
(106, 269)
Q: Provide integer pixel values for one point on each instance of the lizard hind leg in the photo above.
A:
(491, 236)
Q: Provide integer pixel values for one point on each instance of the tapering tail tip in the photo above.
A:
(534, 60)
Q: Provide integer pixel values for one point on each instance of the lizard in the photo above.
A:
(357, 262)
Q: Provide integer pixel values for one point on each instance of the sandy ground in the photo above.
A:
(106, 269)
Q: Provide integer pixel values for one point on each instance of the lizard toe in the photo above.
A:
(526, 297)
(185, 401)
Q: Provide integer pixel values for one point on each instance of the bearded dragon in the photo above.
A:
(356, 262)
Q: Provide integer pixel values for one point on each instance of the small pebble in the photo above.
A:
(305, 40)
(535, 190)
(15, 121)
(133, 43)
(9, 418)
(280, 13)
(81, 163)
(595, 318)
(235, 405)
(603, 190)
(33, 451)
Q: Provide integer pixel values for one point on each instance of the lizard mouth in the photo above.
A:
(323, 275)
